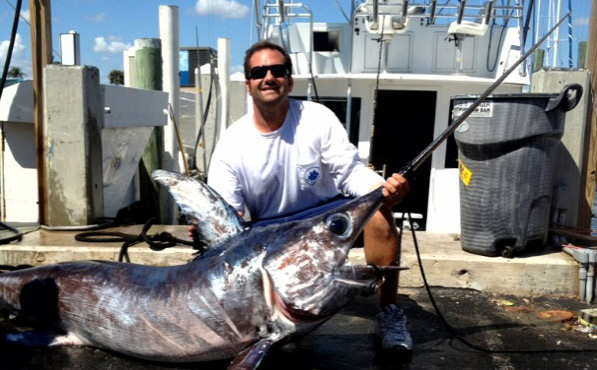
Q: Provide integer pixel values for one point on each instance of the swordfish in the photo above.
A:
(250, 289)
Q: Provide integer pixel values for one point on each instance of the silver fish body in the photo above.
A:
(257, 287)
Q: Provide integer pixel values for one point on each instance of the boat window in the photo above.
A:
(338, 106)
(326, 41)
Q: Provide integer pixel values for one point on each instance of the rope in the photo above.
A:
(157, 242)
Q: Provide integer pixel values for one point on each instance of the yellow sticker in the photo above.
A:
(465, 173)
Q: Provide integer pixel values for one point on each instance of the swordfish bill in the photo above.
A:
(252, 289)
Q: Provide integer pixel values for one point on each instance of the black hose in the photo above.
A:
(157, 242)
(452, 331)
(18, 235)
(13, 35)
(13, 268)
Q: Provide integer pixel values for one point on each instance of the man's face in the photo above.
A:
(269, 90)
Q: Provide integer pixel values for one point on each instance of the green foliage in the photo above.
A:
(16, 72)
(116, 77)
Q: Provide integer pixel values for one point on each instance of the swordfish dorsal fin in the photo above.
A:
(216, 220)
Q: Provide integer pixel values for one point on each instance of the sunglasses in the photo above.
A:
(259, 72)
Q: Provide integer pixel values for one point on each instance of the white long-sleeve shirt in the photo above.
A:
(304, 163)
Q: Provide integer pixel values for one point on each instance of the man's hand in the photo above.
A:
(394, 190)
(191, 231)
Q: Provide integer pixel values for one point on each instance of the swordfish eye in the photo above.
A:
(339, 224)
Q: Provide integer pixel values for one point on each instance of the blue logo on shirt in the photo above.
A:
(312, 175)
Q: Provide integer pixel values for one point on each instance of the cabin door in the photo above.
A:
(403, 127)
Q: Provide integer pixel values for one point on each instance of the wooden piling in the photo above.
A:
(591, 64)
(148, 75)
(41, 55)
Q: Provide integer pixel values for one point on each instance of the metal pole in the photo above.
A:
(569, 33)
(375, 12)
(537, 22)
(419, 159)
(549, 45)
(488, 11)
(349, 107)
(168, 25)
(461, 7)
(432, 12)
(556, 45)
(224, 83)
(258, 24)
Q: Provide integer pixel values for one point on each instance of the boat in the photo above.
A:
(390, 72)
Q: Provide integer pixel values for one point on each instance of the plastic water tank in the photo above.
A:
(506, 153)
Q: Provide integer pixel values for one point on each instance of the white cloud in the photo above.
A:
(222, 8)
(17, 51)
(581, 21)
(100, 17)
(112, 45)
(25, 14)
(238, 68)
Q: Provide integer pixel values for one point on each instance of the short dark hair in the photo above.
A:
(265, 45)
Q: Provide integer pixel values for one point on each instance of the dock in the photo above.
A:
(495, 304)
(507, 337)
(549, 272)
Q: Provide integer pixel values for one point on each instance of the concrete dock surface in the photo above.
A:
(548, 272)
(493, 303)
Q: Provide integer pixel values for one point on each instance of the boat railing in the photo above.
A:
(433, 12)
(462, 18)
(278, 15)
(280, 12)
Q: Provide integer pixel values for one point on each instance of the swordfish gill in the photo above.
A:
(251, 288)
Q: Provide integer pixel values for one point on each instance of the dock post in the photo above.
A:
(224, 83)
(41, 55)
(148, 75)
(171, 84)
(72, 149)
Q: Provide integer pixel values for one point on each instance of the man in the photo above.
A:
(287, 156)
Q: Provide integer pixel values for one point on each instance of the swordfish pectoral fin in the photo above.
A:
(250, 358)
(216, 220)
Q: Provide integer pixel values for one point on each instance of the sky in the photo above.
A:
(107, 27)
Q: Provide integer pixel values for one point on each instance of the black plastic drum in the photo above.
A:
(507, 149)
